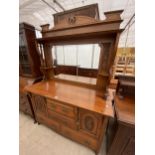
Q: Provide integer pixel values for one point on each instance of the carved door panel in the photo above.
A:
(40, 105)
(90, 122)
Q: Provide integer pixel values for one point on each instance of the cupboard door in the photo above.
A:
(40, 105)
(90, 122)
(79, 137)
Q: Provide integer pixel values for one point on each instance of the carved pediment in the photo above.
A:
(73, 21)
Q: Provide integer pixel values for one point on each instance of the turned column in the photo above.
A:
(48, 61)
(46, 49)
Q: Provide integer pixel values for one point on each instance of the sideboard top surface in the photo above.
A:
(77, 96)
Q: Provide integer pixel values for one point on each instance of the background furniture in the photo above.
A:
(121, 131)
(124, 63)
(29, 60)
(23, 100)
(126, 85)
(29, 65)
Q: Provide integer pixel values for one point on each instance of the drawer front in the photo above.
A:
(62, 119)
(90, 122)
(62, 108)
(79, 137)
(50, 123)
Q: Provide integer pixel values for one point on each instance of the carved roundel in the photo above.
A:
(72, 20)
(89, 123)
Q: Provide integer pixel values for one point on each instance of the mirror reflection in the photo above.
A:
(79, 60)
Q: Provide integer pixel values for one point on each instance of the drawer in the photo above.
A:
(66, 110)
(50, 123)
(62, 119)
(79, 137)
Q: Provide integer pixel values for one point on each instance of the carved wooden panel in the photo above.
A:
(89, 11)
(73, 21)
(89, 122)
(79, 137)
(24, 104)
(40, 104)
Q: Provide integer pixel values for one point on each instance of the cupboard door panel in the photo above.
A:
(90, 122)
(40, 105)
(50, 123)
(79, 137)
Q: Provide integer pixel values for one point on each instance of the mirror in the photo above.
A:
(79, 60)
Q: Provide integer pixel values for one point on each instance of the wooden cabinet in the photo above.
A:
(58, 103)
(81, 125)
(123, 139)
(29, 64)
(28, 56)
(24, 104)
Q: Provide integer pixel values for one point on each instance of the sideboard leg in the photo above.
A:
(96, 152)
